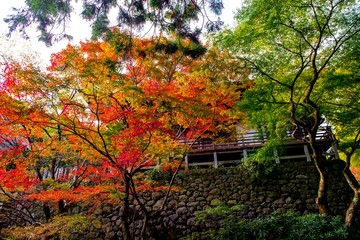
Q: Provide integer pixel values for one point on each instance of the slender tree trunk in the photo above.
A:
(355, 186)
(171, 183)
(321, 199)
(143, 208)
(61, 205)
(352, 209)
(126, 211)
(47, 211)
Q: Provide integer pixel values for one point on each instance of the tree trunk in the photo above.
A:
(47, 211)
(352, 209)
(355, 186)
(321, 199)
(126, 211)
(62, 206)
(142, 206)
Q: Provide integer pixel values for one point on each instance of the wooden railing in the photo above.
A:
(258, 139)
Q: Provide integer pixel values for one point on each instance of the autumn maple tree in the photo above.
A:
(88, 126)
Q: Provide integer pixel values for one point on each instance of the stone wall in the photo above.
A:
(289, 187)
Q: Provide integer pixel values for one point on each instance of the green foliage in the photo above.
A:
(341, 99)
(258, 171)
(279, 226)
(219, 212)
(159, 175)
(60, 227)
(290, 47)
(100, 27)
(49, 183)
(261, 163)
(180, 16)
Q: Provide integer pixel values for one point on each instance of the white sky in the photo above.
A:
(78, 28)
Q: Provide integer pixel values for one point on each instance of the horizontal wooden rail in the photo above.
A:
(258, 139)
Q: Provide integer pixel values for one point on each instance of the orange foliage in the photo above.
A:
(16, 179)
(356, 172)
(100, 114)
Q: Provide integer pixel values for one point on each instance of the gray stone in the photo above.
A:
(107, 209)
(91, 235)
(215, 191)
(111, 234)
(105, 220)
(181, 211)
(192, 204)
(288, 200)
(206, 183)
(156, 195)
(215, 202)
(96, 223)
(76, 210)
(231, 202)
(209, 198)
(172, 204)
(198, 181)
(98, 211)
(118, 223)
(272, 194)
(196, 194)
(244, 197)
(183, 198)
(157, 205)
(190, 222)
(173, 217)
(234, 196)
(246, 190)
(181, 204)
(150, 203)
(266, 211)
(279, 201)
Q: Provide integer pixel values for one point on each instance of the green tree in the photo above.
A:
(290, 47)
(169, 16)
(341, 105)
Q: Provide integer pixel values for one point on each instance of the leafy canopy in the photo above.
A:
(100, 114)
(171, 16)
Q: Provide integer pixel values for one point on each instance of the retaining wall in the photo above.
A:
(289, 187)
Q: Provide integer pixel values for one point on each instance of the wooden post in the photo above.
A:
(215, 160)
(276, 155)
(307, 154)
(335, 150)
(245, 153)
(264, 135)
(186, 162)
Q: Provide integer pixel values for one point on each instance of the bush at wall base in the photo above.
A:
(287, 226)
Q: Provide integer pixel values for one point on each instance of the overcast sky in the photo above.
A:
(80, 29)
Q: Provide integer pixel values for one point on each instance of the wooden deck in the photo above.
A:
(206, 153)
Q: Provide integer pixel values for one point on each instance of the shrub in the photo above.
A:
(60, 227)
(279, 226)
